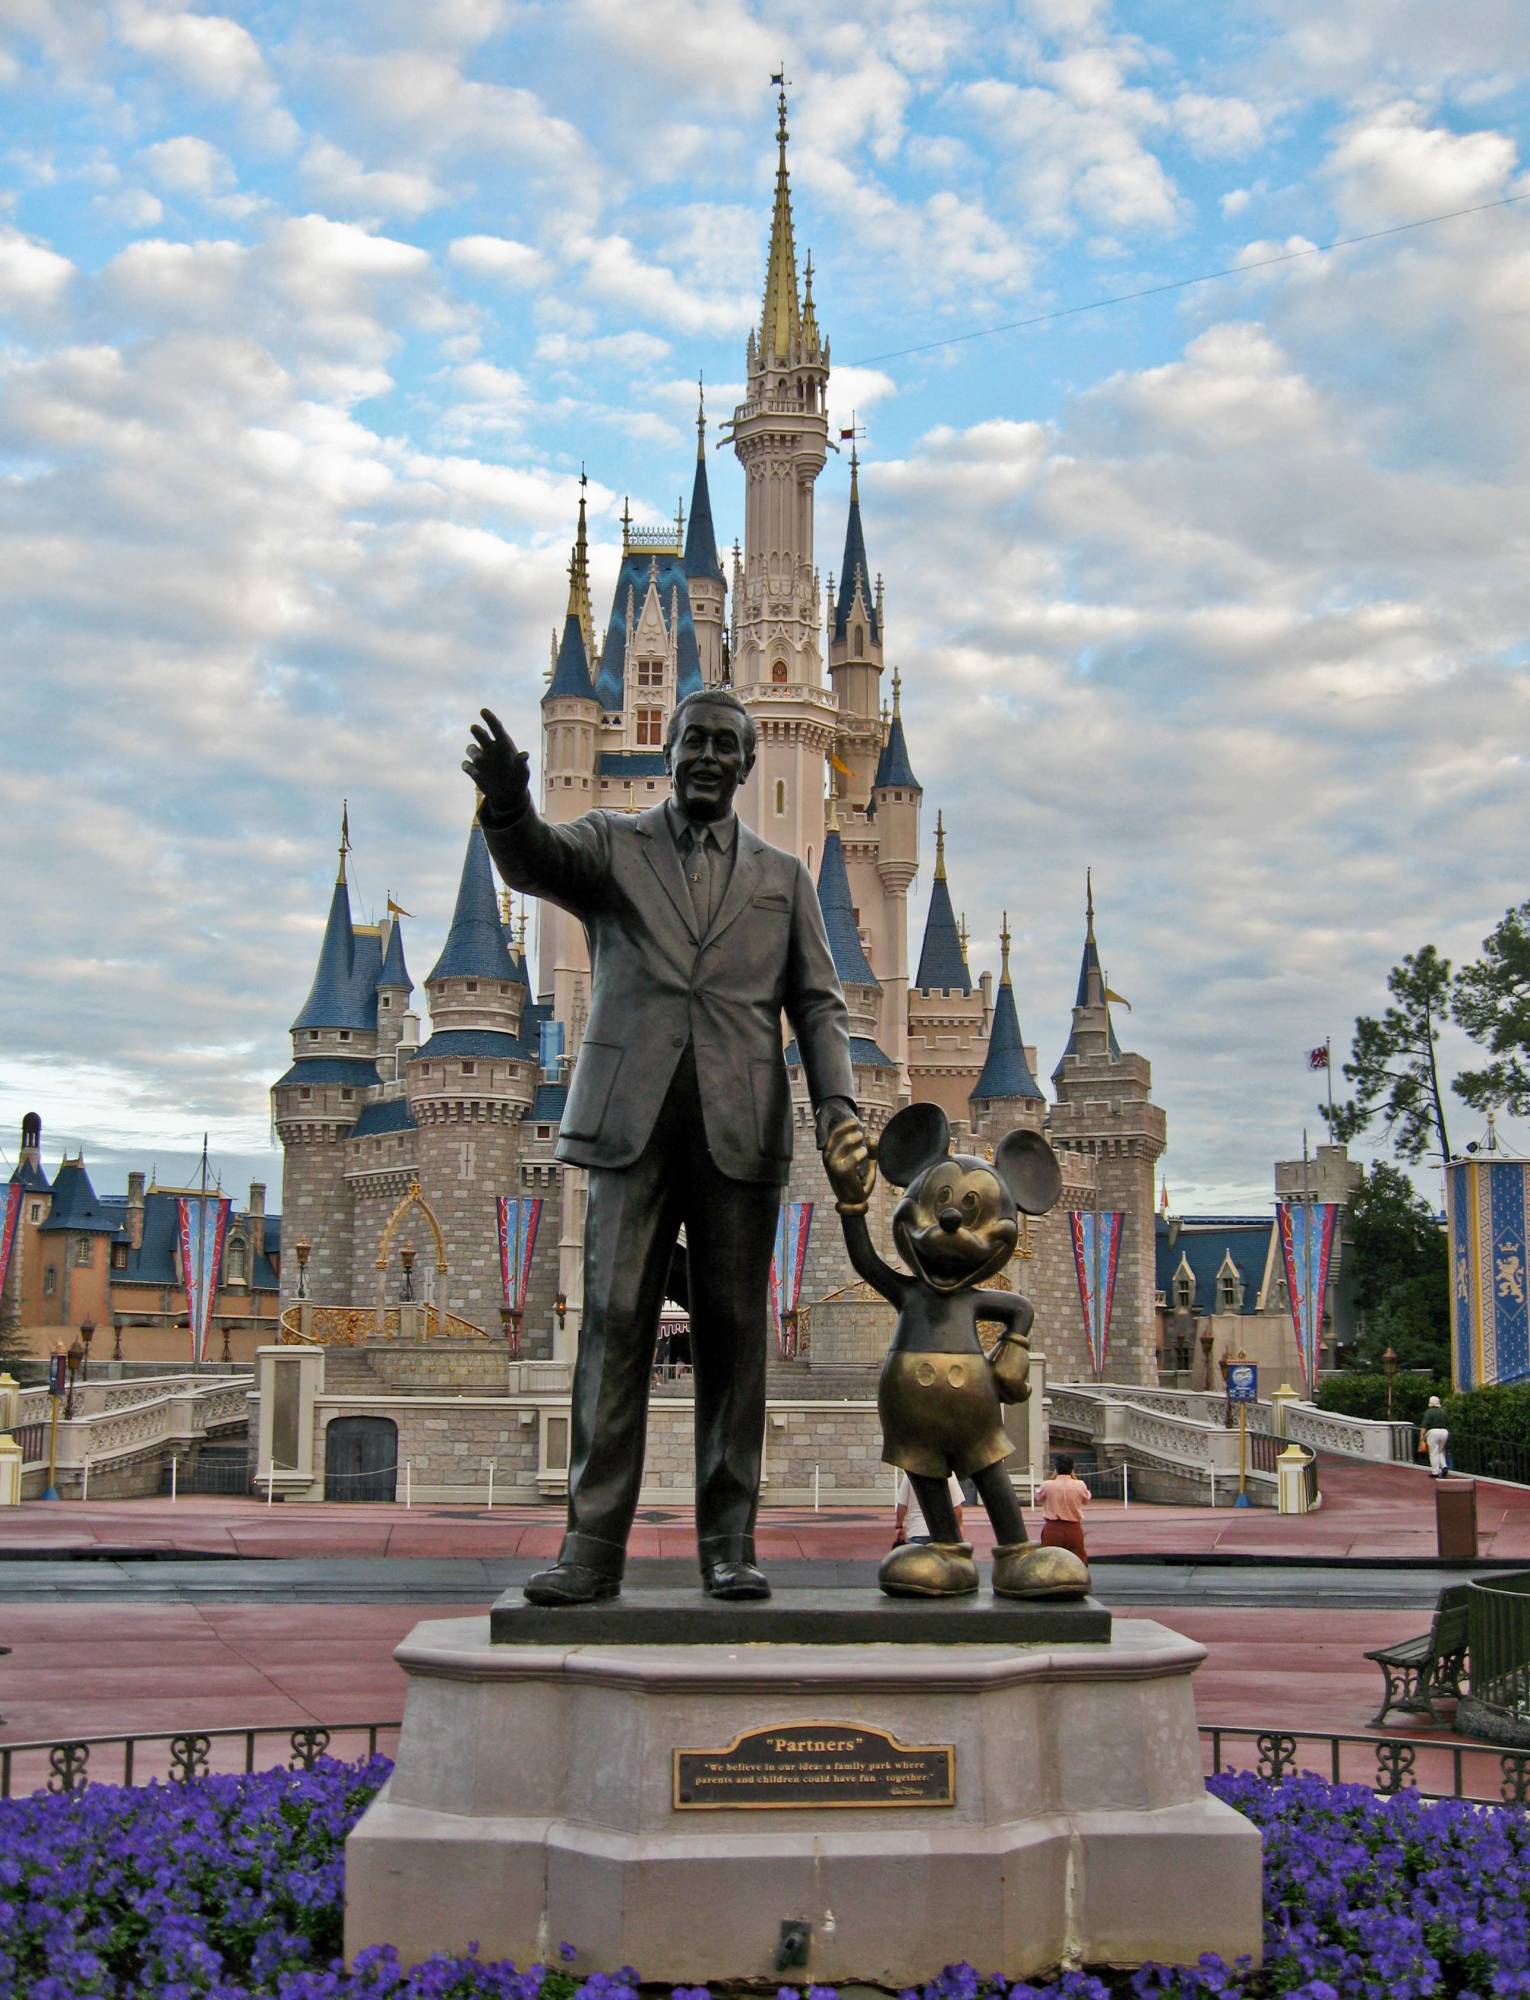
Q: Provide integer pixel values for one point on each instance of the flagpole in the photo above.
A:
(1328, 1051)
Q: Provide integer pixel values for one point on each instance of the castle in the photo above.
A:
(376, 1121)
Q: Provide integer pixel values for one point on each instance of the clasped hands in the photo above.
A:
(850, 1163)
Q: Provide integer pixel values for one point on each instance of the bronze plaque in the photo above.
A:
(815, 1764)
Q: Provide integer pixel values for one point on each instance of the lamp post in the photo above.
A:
(87, 1334)
(226, 1355)
(406, 1258)
(116, 1336)
(74, 1357)
(1208, 1341)
(304, 1251)
(560, 1307)
(1389, 1369)
(58, 1372)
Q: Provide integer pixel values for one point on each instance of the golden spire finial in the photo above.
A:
(345, 837)
(506, 908)
(520, 935)
(961, 933)
(886, 724)
(1089, 902)
(781, 319)
(940, 847)
(1004, 979)
(897, 695)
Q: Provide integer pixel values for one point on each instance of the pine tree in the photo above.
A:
(1492, 1003)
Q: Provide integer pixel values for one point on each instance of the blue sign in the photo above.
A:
(58, 1375)
(1242, 1382)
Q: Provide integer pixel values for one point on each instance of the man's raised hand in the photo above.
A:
(500, 771)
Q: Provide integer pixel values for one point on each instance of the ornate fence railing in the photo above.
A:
(69, 1765)
(1491, 1458)
(1386, 1765)
(1498, 1642)
(344, 1326)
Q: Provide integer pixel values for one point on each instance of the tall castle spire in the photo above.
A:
(1006, 1071)
(942, 960)
(781, 316)
(579, 578)
(571, 664)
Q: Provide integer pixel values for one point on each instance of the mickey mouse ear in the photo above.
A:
(1028, 1168)
(918, 1134)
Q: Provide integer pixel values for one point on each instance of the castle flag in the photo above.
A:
(1486, 1204)
(519, 1218)
(8, 1230)
(794, 1224)
(1306, 1249)
(203, 1220)
(1096, 1253)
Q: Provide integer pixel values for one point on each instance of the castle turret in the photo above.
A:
(570, 752)
(1006, 1093)
(703, 571)
(896, 796)
(780, 433)
(947, 1014)
(1105, 1110)
(855, 660)
(394, 986)
(877, 1080)
(317, 1101)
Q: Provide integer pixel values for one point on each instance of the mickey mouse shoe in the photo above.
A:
(929, 1569)
(1026, 1569)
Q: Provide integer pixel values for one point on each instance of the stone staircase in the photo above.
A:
(348, 1372)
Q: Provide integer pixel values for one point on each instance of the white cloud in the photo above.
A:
(214, 56)
(499, 257)
(1392, 166)
(31, 275)
(343, 183)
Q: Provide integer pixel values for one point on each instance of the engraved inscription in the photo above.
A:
(815, 1764)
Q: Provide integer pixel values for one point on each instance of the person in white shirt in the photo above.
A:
(1436, 1437)
(909, 1523)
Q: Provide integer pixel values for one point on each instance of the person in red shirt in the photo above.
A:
(1062, 1499)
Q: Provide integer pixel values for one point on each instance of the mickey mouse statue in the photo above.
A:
(939, 1395)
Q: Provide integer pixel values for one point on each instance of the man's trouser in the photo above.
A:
(631, 1221)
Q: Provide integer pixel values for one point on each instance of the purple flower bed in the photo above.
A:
(231, 1888)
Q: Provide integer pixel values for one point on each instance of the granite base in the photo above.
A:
(535, 1802)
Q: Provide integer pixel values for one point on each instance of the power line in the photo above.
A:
(1183, 284)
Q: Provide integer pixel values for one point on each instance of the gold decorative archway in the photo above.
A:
(413, 1199)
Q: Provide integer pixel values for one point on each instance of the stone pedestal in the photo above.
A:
(538, 1799)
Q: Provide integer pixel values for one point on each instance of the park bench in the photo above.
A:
(1418, 1671)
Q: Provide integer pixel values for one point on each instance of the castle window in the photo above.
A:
(650, 673)
(780, 795)
(470, 1069)
(313, 1034)
(503, 989)
(305, 1092)
(345, 1034)
(119, 1256)
(649, 731)
(37, 1211)
(424, 1069)
(82, 1250)
(346, 1096)
(470, 985)
(544, 1131)
(778, 671)
(385, 999)
(237, 1265)
(50, 1282)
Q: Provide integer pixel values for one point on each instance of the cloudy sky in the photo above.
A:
(309, 315)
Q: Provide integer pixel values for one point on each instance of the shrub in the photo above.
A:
(1352, 1394)
(231, 1888)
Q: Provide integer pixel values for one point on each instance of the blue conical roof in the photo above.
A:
(700, 536)
(839, 917)
(475, 945)
(344, 993)
(1089, 973)
(394, 971)
(76, 1204)
(941, 963)
(571, 675)
(893, 766)
(855, 566)
(1006, 1073)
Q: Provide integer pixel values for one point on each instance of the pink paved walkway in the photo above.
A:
(1367, 1512)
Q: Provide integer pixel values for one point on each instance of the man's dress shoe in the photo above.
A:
(570, 1583)
(734, 1580)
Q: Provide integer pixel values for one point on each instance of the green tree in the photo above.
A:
(1392, 1062)
(1401, 1274)
(1492, 1003)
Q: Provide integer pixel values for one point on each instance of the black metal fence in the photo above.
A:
(1433, 1767)
(1490, 1458)
(1498, 1642)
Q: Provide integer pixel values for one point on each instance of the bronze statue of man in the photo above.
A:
(701, 935)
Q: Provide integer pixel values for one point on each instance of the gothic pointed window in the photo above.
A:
(860, 640)
(1229, 1286)
(1184, 1286)
(778, 672)
(780, 796)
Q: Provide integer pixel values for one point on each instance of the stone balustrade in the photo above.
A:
(118, 1427)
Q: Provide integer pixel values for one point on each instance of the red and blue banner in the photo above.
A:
(1487, 1202)
(520, 1217)
(8, 1231)
(203, 1226)
(1096, 1254)
(794, 1224)
(1306, 1249)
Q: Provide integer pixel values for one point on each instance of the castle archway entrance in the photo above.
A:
(361, 1458)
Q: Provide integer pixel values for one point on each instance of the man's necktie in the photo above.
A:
(701, 874)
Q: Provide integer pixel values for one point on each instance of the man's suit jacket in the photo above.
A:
(656, 985)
